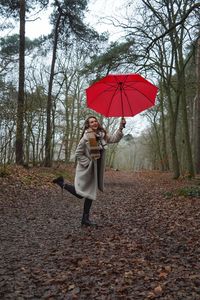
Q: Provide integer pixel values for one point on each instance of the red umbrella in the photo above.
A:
(121, 95)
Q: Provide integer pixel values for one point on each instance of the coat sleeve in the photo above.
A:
(114, 138)
(80, 153)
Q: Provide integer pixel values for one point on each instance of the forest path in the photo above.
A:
(146, 245)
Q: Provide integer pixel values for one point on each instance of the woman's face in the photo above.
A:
(93, 124)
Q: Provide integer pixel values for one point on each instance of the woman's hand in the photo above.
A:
(122, 124)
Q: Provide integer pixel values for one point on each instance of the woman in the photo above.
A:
(90, 157)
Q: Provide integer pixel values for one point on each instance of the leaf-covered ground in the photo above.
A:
(147, 244)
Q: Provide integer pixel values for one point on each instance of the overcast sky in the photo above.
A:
(98, 9)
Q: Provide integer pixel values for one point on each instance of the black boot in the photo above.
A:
(67, 186)
(86, 221)
(60, 181)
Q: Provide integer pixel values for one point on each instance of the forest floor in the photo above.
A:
(147, 244)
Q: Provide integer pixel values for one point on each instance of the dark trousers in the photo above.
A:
(88, 202)
(70, 188)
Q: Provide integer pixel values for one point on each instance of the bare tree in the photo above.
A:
(20, 107)
(68, 19)
(197, 109)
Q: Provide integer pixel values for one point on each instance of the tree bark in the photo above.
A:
(20, 102)
(197, 111)
(173, 121)
(164, 143)
(48, 141)
(190, 167)
(180, 69)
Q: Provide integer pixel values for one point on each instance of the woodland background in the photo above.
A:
(43, 81)
(146, 245)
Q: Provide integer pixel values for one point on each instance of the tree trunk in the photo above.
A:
(197, 111)
(190, 167)
(48, 141)
(20, 102)
(161, 164)
(164, 143)
(180, 68)
(173, 121)
(67, 129)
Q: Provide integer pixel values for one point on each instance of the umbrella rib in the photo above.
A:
(112, 99)
(128, 102)
(140, 93)
(121, 84)
(103, 92)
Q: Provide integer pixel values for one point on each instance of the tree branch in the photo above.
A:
(197, 5)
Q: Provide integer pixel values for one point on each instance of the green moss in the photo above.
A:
(4, 171)
(191, 191)
(168, 195)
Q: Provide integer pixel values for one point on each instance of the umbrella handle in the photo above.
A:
(123, 122)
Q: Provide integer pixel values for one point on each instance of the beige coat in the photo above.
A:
(89, 173)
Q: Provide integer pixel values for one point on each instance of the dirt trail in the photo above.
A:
(146, 246)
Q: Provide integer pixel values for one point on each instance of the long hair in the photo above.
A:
(86, 126)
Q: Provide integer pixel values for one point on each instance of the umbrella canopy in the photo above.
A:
(121, 95)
